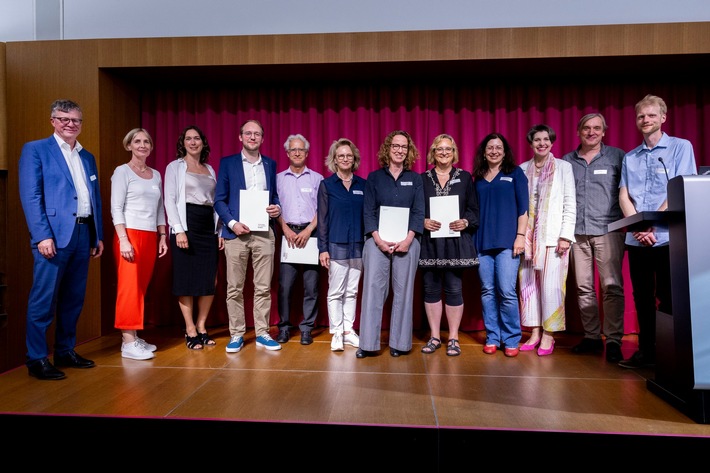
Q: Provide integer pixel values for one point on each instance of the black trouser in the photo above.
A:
(650, 271)
(288, 273)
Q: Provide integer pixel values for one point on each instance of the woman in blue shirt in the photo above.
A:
(341, 238)
(502, 190)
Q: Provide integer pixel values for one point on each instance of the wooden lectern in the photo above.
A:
(682, 375)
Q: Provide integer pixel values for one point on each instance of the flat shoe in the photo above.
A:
(490, 349)
(431, 346)
(360, 353)
(525, 347)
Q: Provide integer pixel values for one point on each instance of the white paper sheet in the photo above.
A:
(306, 255)
(394, 223)
(252, 209)
(444, 209)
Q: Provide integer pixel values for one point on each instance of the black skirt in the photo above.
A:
(195, 267)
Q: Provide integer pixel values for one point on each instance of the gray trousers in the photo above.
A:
(379, 270)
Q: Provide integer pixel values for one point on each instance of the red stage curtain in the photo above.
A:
(366, 112)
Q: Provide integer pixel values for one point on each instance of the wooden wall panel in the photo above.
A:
(37, 74)
(103, 76)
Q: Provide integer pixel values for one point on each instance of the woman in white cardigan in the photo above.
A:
(189, 202)
(548, 239)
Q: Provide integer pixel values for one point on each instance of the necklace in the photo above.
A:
(345, 180)
(137, 168)
(441, 173)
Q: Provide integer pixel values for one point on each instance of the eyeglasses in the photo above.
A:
(443, 150)
(397, 147)
(297, 150)
(66, 120)
(255, 134)
(345, 157)
(494, 148)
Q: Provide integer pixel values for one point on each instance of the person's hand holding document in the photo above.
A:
(444, 210)
(393, 225)
(253, 210)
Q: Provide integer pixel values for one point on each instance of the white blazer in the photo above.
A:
(562, 210)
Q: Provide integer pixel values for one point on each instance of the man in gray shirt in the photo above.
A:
(597, 170)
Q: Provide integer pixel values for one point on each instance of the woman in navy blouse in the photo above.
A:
(341, 238)
(388, 262)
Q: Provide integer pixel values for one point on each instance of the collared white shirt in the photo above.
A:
(254, 174)
(71, 156)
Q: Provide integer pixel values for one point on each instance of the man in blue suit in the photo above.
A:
(248, 171)
(59, 191)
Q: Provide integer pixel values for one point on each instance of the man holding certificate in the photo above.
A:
(451, 219)
(297, 187)
(394, 221)
(245, 199)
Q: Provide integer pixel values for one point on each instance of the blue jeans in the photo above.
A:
(498, 271)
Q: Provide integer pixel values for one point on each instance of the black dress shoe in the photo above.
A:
(360, 353)
(283, 336)
(43, 369)
(72, 359)
(613, 352)
(306, 338)
(395, 353)
(588, 345)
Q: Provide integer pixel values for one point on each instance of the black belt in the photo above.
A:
(297, 227)
(83, 220)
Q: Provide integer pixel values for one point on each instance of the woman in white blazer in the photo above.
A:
(548, 239)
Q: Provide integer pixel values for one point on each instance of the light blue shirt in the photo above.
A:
(644, 176)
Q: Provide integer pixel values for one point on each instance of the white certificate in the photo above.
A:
(394, 223)
(444, 209)
(252, 210)
(306, 255)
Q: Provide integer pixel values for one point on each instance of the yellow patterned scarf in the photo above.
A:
(535, 233)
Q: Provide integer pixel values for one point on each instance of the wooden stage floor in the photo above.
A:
(434, 408)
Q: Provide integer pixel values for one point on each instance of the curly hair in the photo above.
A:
(383, 155)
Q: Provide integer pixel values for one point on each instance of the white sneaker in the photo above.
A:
(136, 351)
(146, 345)
(352, 339)
(336, 343)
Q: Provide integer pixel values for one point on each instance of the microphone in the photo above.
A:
(660, 160)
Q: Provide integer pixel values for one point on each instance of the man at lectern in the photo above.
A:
(645, 173)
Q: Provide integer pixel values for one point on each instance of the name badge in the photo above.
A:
(454, 181)
(506, 178)
(600, 171)
(660, 171)
(406, 183)
(357, 192)
(155, 187)
(307, 190)
(92, 177)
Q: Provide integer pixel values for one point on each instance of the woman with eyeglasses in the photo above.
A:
(447, 246)
(341, 238)
(502, 190)
(391, 258)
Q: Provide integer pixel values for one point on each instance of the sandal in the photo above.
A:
(205, 339)
(193, 343)
(432, 345)
(453, 348)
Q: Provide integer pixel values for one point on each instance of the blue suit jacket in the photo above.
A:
(48, 196)
(230, 180)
